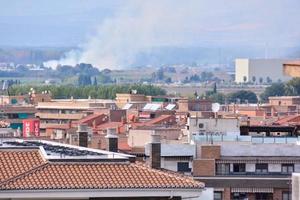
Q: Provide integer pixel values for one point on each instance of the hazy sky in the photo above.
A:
(155, 22)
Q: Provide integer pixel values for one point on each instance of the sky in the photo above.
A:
(116, 30)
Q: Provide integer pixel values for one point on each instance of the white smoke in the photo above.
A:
(141, 25)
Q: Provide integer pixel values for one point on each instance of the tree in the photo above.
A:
(243, 96)
(168, 80)
(293, 87)
(261, 80)
(215, 88)
(245, 79)
(194, 78)
(269, 80)
(206, 76)
(253, 79)
(276, 89)
(215, 97)
(84, 80)
(95, 81)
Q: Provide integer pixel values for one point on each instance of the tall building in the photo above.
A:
(260, 70)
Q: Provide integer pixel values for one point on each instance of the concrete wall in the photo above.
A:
(241, 70)
(138, 138)
(263, 68)
(246, 149)
(224, 125)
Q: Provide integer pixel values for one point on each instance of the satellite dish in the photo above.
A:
(215, 107)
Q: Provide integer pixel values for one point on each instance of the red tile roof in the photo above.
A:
(161, 119)
(87, 175)
(90, 118)
(17, 161)
(294, 119)
(118, 125)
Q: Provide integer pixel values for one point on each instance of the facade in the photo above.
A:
(15, 114)
(222, 126)
(248, 169)
(246, 69)
(292, 68)
(175, 157)
(63, 112)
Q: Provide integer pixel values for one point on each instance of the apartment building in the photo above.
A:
(15, 114)
(63, 112)
(247, 167)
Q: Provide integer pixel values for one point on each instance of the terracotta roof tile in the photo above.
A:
(97, 176)
(17, 161)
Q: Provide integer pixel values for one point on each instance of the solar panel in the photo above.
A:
(170, 106)
(155, 107)
(127, 106)
(147, 106)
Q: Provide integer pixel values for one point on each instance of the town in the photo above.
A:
(205, 149)
(149, 100)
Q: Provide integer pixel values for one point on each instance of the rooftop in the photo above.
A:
(27, 168)
(57, 151)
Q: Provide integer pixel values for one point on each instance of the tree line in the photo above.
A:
(290, 88)
(98, 91)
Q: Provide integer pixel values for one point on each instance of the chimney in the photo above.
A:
(155, 151)
(111, 140)
(83, 135)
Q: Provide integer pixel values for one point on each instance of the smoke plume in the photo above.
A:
(138, 26)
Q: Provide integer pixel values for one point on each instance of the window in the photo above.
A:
(287, 168)
(183, 167)
(286, 195)
(262, 196)
(222, 169)
(217, 195)
(261, 168)
(239, 167)
(239, 196)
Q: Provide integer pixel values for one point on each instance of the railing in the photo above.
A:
(281, 174)
(251, 139)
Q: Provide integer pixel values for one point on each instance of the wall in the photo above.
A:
(260, 68)
(224, 125)
(241, 70)
(246, 149)
(138, 138)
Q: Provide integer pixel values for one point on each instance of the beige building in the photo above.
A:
(63, 112)
(292, 68)
(265, 69)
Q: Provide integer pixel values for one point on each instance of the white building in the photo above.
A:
(217, 126)
(266, 70)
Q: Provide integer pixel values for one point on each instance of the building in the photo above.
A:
(216, 126)
(63, 112)
(175, 157)
(267, 70)
(247, 167)
(292, 68)
(48, 170)
(15, 114)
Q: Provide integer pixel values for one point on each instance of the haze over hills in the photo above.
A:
(119, 34)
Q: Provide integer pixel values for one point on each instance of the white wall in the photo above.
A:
(274, 167)
(242, 149)
(224, 125)
(250, 167)
(263, 68)
(241, 70)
